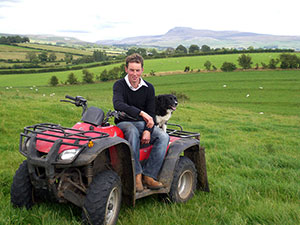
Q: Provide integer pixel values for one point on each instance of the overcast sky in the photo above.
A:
(92, 20)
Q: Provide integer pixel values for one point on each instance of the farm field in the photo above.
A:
(55, 48)
(22, 56)
(10, 52)
(164, 65)
(13, 52)
(81, 50)
(19, 52)
(12, 48)
(249, 123)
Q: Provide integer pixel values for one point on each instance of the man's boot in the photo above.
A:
(138, 183)
(151, 183)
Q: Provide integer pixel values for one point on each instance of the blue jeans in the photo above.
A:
(133, 131)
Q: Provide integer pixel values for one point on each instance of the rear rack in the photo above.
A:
(59, 132)
(181, 133)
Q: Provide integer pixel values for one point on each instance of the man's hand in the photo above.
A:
(146, 137)
(148, 119)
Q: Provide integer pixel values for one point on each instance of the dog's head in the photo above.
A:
(168, 101)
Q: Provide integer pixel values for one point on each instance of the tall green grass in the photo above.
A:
(252, 147)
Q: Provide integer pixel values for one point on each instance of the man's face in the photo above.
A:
(134, 71)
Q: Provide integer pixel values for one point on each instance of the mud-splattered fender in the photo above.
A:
(189, 147)
(89, 154)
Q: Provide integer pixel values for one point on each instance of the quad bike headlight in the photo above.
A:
(25, 145)
(69, 154)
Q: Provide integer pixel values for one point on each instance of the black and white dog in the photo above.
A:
(164, 106)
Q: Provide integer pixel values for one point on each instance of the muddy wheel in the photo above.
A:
(21, 192)
(184, 180)
(103, 199)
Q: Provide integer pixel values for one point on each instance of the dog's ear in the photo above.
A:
(164, 100)
(160, 99)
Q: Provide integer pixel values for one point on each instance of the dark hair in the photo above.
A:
(137, 58)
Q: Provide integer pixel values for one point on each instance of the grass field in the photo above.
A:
(157, 65)
(252, 146)
(12, 48)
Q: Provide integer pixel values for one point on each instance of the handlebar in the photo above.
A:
(70, 97)
(79, 101)
(117, 115)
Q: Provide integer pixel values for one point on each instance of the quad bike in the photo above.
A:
(92, 166)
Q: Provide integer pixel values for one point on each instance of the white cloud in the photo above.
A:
(97, 20)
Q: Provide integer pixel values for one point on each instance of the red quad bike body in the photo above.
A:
(92, 166)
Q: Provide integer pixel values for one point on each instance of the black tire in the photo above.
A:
(184, 181)
(21, 191)
(103, 199)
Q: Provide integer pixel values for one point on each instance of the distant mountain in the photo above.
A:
(216, 39)
(185, 36)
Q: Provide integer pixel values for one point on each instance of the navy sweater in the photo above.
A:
(133, 102)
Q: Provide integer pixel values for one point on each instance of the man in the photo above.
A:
(136, 97)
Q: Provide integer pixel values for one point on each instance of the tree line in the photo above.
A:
(285, 61)
(8, 40)
(88, 77)
(34, 59)
(195, 50)
(98, 56)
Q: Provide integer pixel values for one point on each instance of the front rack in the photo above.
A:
(51, 132)
(181, 133)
